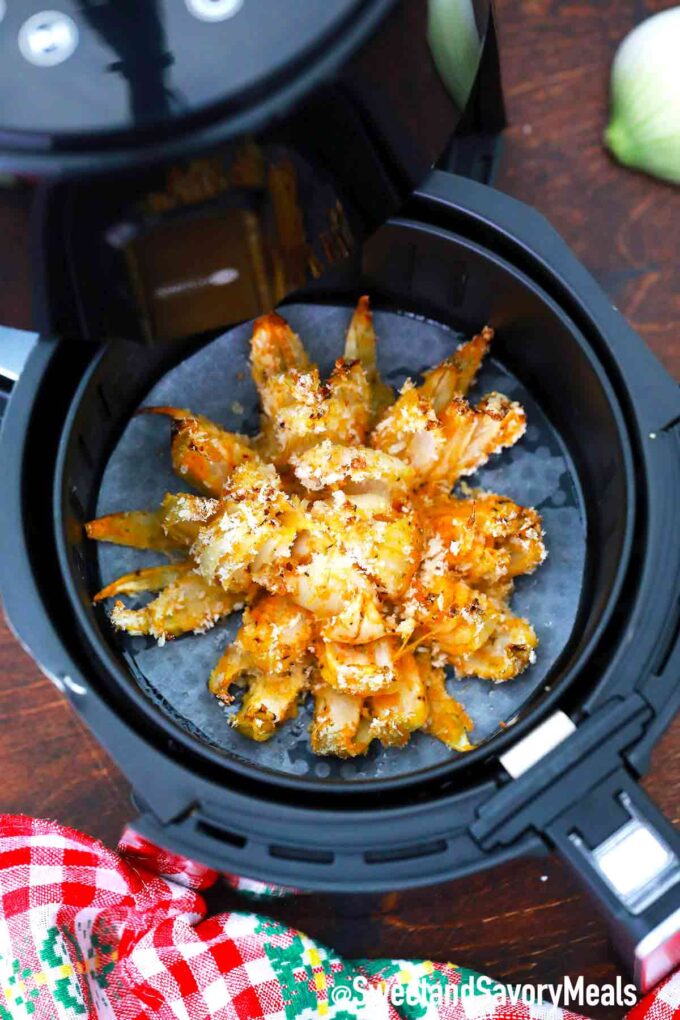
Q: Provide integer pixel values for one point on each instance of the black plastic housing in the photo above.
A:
(619, 686)
(144, 212)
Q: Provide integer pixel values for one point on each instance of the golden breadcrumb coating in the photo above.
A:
(362, 574)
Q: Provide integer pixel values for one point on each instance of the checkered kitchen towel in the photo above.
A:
(86, 932)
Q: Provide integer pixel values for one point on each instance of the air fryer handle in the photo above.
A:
(628, 856)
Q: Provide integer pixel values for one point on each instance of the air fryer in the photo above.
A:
(562, 770)
(180, 165)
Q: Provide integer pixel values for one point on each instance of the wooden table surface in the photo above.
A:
(526, 921)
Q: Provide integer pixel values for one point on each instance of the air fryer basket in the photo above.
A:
(217, 378)
(575, 441)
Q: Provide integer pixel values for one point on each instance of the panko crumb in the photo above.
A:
(340, 527)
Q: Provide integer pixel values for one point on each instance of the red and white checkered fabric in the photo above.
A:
(89, 933)
(141, 853)
(661, 1004)
(191, 873)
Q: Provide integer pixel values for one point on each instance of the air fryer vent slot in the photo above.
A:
(221, 835)
(106, 407)
(671, 638)
(78, 560)
(84, 449)
(406, 853)
(299, 853)
(76, 505)
(668, 649)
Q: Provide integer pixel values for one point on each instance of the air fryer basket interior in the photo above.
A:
(570, 465)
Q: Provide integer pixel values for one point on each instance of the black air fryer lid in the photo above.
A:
(96, 74)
